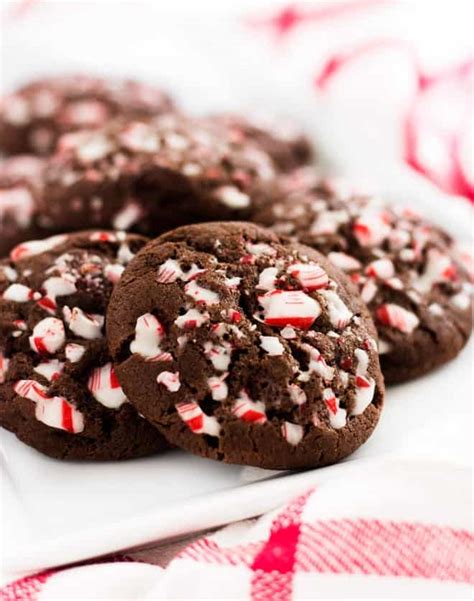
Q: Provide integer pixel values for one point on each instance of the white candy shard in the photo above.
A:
(292, 433)
(218, 387)
(4, 364)
(19, 293)
(317, 364)
(74, 352)
(232, 197)
(297, 394)
(339, 314)
(84, 325)
(201, 295)
(267, 278)
(219, 354)
(365, 386)
(169, 380)
(149, 334)
(51, 370)
(272, 345)
(344, 262)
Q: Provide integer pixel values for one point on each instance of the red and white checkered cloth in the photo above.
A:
(387, 530)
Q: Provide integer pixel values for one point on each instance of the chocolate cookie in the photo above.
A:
(58, 389)
(244, 349)
(406, 269)
(33, 118)
(20, 187)
(153, 176)
(286, 145)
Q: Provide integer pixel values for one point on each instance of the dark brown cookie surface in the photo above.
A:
(33, 118)
(20, 188)
(58, 389)
(153, 176)
(286, 145)
(406, 269)
(244, 349)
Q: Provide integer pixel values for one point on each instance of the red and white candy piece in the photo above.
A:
(344, 262)
(292, 433)
(249, 411)
(84, 325)
(397, 317)
(169, 380)
(328, 222)
(365, 386)
(289, 308)
(202, 296)
(48, 336)
(4, 364)
(439, 268)
(170, 271)
(54, 287)
(339, 314)
(371, 228)
(74, 352)
(51, 370)
(337, 415)
(317, 364)
(309, 275)
(192, 319)
(149, 334)
(105, 387)
(103, 237)
(381, 268)
(18, 293)
(218, 354)
(35, 247)
(297, 394)
(196, 420)
(218, 387)
(55, 412)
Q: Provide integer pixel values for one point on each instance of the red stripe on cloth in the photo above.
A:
(26, 589)
(274, 565)
(287, 18)
(29, 588)
(386, 549)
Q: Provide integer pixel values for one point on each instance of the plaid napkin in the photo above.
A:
(387, 529)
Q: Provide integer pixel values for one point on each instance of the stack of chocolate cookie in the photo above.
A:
(245, 343)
